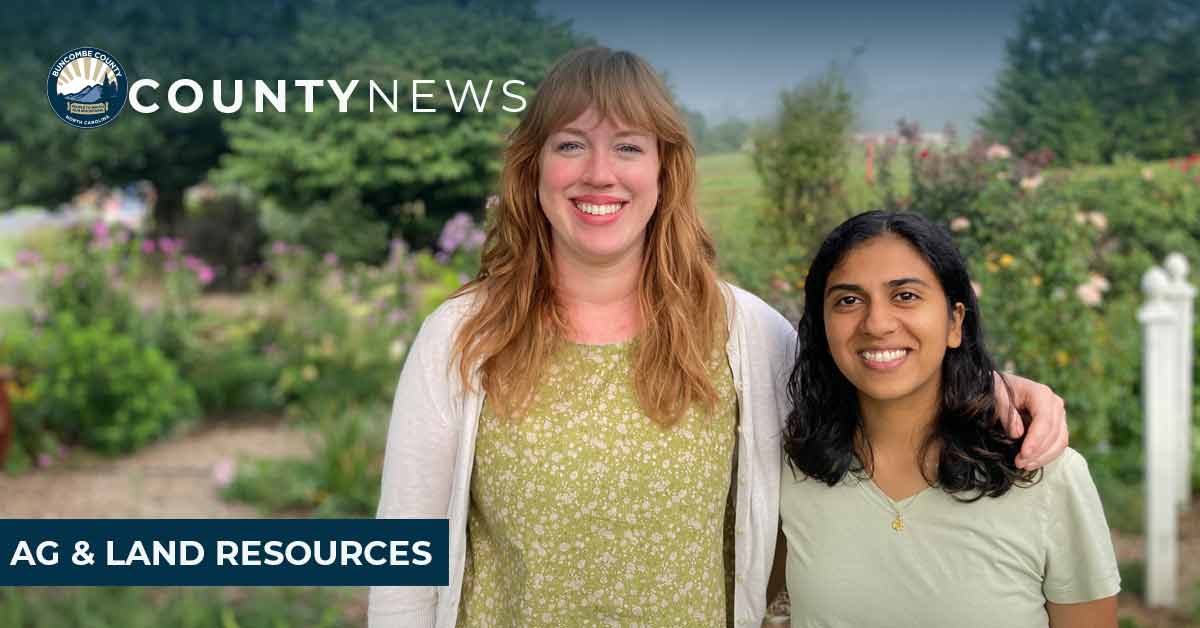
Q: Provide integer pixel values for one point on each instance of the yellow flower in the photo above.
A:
(1006, 260)
(1062, 358)
(991, 266)
(1036, 280)
(309, 372)
(16, 393)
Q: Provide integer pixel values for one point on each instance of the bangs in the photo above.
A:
(621, 87)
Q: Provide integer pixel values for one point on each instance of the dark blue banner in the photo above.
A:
(217, 552)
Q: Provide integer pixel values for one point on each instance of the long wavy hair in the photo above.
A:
(518, 323)
(824, 437)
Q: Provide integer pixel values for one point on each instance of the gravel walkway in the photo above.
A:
(173, 478)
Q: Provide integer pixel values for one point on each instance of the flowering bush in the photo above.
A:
(341, 331)
(96, 366)
(1059, 256)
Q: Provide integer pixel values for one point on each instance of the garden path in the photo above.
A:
(178, 477)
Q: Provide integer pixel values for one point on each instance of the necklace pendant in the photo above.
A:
(898, 524)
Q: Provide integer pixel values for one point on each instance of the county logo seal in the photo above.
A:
(87, 87)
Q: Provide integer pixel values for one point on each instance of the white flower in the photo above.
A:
(1098, 281)
(1089, 294)
(1098, 220)
(1030, 184)
(998, 151)
(1147, 174)
(962, 223)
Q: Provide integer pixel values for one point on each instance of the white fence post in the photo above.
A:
(1159, 398)
(1182, 296)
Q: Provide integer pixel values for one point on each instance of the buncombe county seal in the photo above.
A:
(87, 87)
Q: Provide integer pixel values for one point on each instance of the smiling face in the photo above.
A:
(598, 188)
(888, 323)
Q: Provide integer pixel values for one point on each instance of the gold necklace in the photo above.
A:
(898, 522)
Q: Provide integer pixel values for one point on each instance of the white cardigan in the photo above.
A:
(431, 451)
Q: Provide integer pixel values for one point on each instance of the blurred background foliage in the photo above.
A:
(290, 257)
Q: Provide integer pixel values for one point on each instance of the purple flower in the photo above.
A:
(397, 315)
(171, 266)
(331, 259)
(193, 263)
(455, 232)
(279, 247)
(476, 239)
(44, 460)
(148, 247)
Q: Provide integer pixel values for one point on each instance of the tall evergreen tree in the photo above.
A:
(1091, 79)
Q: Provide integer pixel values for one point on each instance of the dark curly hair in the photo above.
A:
(825, 423)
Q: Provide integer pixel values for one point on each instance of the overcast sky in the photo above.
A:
(932, 60)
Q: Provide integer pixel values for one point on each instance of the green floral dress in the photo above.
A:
(587, 513)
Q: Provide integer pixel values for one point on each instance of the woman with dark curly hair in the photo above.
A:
(904, 506)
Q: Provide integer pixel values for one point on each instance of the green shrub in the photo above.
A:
(342, 331)
(801, 154)
(1133, 577)
(222, 227)
(140, 607)
(340, 479)
(98, 387)
(233, 363)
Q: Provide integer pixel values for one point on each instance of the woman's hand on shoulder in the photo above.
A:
(1047, 432)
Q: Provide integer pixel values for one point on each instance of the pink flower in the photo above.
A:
(1089, 294)
(223, 472)
(100, 230)
(44, 460)
(27, 258)
(997, 151)
(331, 259)
(148, 247)
(60, 273)
(205, 274)
(924, 154)
(279, 247)
(962, 223)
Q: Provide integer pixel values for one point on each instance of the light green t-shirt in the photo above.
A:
(991, 563)
(587, 513)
